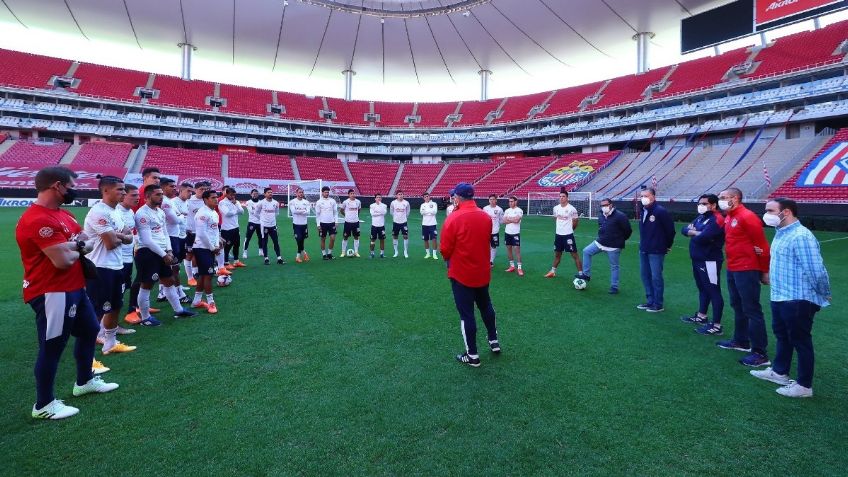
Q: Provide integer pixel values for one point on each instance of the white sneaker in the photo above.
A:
(244, 254)
(405, 254)
(769, 375)
(94, 385)
(56, 409)
(795, 390)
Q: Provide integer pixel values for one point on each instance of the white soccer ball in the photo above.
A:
(580, 284)
(224, 280)
(350, 252)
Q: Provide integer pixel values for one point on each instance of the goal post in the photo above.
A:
(543, 203)
(311, 192)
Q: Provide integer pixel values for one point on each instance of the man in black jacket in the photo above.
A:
(613, 231)
(656, 230)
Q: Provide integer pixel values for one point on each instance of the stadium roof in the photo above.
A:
(400, 49)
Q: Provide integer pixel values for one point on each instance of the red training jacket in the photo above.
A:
(743, 230)
(465, 244)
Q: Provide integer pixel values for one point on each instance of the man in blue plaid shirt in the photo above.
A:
(800, 287)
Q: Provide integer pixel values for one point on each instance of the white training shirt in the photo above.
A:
(193, 204)
(150, 224)
(378, 214)
(208, 236)
(102, 219)
(351, 210)
(268, 211)
(428, 213)
(510, 213)
(496, 214)
(299, 210)
(400, 211)
(181, 208)
(172, 217)
(449, 210)
(128, 216)
(325, 211)
(253, 211)
(230, 211)
(564, 216)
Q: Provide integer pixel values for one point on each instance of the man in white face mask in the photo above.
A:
(656, 228)
(706, 241)
(800, 287)
(613, 231)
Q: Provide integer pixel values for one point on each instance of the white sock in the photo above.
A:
(344, 245)
(193, 271)
(220, 259)
(188, 270)
(427, 250)
(210, 299)
(180, 292)
(553, 269)
(511, 263)
(144, 303)
(395, 244)
(492, 254)
(356, 245)
(519, 265)
(110, 340)
(161, 292)
(173, 298)
(198, 297)
(405, 245)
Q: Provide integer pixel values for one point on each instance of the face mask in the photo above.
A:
(606, 210)
(69, 196)
(646, 201)
(724, 204)
(772, 220)
(702, 209)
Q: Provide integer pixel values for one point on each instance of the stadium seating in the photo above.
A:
(108, 82)
(417, 178)
(373, 177)
(328, 169)
(458, 172)
(518, 107)
(433, 114)
(393, 114)
(702, 73)
(568, 100)
(106, 155)
(34, 154)
(301, 107)
(244, 100)
(629, 89)
(30, 71)
(474, 112)
(254, 165)
(178, 92)
(184, 163)
(3, 138)
(802, 50)
(815, 193)
(349, 112)
(510, 175)
(598, 160)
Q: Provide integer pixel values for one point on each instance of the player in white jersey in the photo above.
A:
(106, 230)
(299, 208)
(325, 216)
(175, 224)
(253, 226)
(207, 244)
(378, 224)
(566, 218)
(451, 205)
(155, 256)
(268, 210)
(512, 235)
(428, 210)
(181, 206)
(400, 210)
(495, 212)
(126, 210)
(231, 209)
(193, 204)
(350, 209)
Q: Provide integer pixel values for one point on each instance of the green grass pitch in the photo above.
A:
(346, 368)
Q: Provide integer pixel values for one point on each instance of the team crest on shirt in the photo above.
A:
(107, 307)
(142, 220)
(734, 223)
(154, 277)
(45, 232)
(26, 283)
(102, 221)
(652, 218)
(72, 311)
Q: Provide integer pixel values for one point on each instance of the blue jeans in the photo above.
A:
(591, 250)
(651, 266)
(750, 325)
(792, 323)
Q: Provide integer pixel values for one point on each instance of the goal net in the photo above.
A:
(543, 203)
(311, 192)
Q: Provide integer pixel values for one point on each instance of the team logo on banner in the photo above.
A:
(570, 174)
(830, 168)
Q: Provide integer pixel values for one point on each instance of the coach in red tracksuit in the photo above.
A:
(465, 247)
(748, 257)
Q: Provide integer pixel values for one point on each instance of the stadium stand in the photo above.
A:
(255, 165)
(458, 172)
(517, 108)
(178, 92)
(568, 100)
(34, 154)
(393, 114)
(598, 160)
(629, 89)
(108, 82)
(244, 100)
(820, 193)
(510, 175)
(327, 169)
(702, 73)
(301, 107)
(107, 155)
(373, 177)
(474, 112)
(433, 114)
(417, 178)
(3, 137)
(184, 162)
(349, 112)
(801, 50)
(30, 71)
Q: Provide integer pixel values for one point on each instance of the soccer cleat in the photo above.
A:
(381, 255)
(550, 275)
(94, 385)
(372, 255)
(154, 310)
(405, 254)
(330, 256)
(151, 321)
(161, 298)
(184, 314)
(281, 261)
(212, 309)
(495, 345)
(755, 360)
(298, 260)
(582, 276)
(97, 367)
(695, 319)
(239, 264)
(730, 344)
(119, 348)
(510, 269)
(223, 271)
(267, 261)
(768, 374)
(643, 306)
(185, 300)
(191, 282)
(132, 318)
(356, 254)
(324, 257)
(100, 339)
(655, 309)
(229, 267)
(465, 359)
(244, 255)
(125, 331)
(794, 390)
(341, 255)
(435, 257)
(54, 410)
(305, 256)
(520, 272)
(395, 255)
(710, 329)
(613, 291)
(200, 304)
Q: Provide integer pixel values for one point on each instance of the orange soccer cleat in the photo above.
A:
(212, 309)
(305, 256)
(191, 282)
(229, 266)
(520, 272)
(510, 269)
(201, 304)
(154, 310)
(550, 275)
(132, 318)
(223, 271)
(239, 264)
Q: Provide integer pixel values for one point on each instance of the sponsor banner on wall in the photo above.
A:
(15, 202)
(243, 185)
(767, 11)
(23, 177)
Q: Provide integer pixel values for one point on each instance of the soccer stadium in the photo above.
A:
(424, 237)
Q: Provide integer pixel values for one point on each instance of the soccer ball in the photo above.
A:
(224, 280)
(579, 284)
(350, 252)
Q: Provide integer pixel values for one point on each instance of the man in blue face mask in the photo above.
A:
(800, 287)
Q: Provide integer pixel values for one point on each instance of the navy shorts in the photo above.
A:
(400, 229)
(205, 261)
(351, 228)
(328, 229)
(106, 291)
(151, 267)
(512, 240)
(565, 243)
(429, 232)
(495, 241)
(178, 246)
(378, 233)
(301, 232)
(189, 240)
(127, 272)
